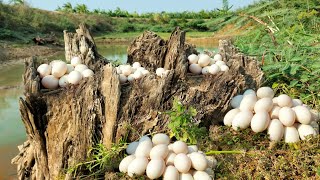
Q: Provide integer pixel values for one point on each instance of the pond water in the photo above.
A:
(12, 131)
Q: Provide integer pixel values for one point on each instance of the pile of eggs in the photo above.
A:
(59, 74)
(171, 161)
(203, 64)
(281, 116)
(129, 73)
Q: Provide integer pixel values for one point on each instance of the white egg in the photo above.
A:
(133, 70)
(44, 70)
(74, 77)
(140, 69)
(131, 78)
(315, 126)
(137, 75)
(165, 73)
(210, 172)
(265, 92)
(126, 70)
(80, 67)
(131, 149)
(138, 166)
(306, 130)
(214, 69)
(195, 68)
(75, 61)
(198, 161)
(260, 121)
(155, 168)
(275, 130)
(204, 60)
(205, 70)
(201, 175)
(160, 71)
(220, 63)
(315, 115)
(212, 61)
(171, 173)
(248, 102)
(236, 100)
(296, 102)
(193, 59)
(186, 176)
(50, 82)
(249, 92)
(170, 158)
(192, 148)
(159, 151)
(291, 135)
(275, 101)
(224, 68)
(274, 113)
(123, 78)
(227, 120)
(59, 69)
(87, 73)
(303, 114)
(161, 138)
(180, 147)
(287, 116)
(170, 147)
(263, 104)
(63, 81)
(217, 57)
(69, 68)
(118, 70)
(242, 120)
(182, 162)
(143, 149)
(284, 101)
(144, 138)
(123, 166)
(145, 72)
(212, 162)
(136, 65)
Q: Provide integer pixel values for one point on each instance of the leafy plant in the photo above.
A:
(182, 124)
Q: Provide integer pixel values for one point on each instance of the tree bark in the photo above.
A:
(63, 124)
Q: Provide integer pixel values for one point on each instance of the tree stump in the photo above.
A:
(63, 124)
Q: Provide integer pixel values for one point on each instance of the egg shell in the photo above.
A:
(274, 113)
(143, 149)
(217, 57)
(263, 104)
(248, 102)
(210, 172)
(69, 68)
(192, 148)
(145, 72)
(296, 102)
(205, 70)
(249, 92)
(275, 130)
(275, 101)
(291, 135)
(160, 138)
(204, 60)
(303, 114)
(171, 173)
(287, 116)
(137, 75)
(118, 70)
(212, 61)
(138, 166)
(123, 166)
(126, 70)
(63, 81)
(314, 115)
(220, 63)
(165, 73)
(74, 77)
(131, 77)
(224, 68)
(201, 175)
(227, 120)
(50, 82)
(185, 176)
(131, 149)
(315, 126)
(160, 71)
(170, 158)
(305, 130)
(75, 61)
(198, 161)
(136, 65)
(87, 73)
(140, 69)
(214, 69)
(44, 70)
(195, 69)
(180, 147)
(159, 151)
(212, 161)
(80, 67)
(170, 147)
(193, 59)
(123, 78)
(236, 100)
(155, 168)
(260, 121)
(182, 162)
(265, 92)
(59, 69)
(144, 138)
(284, 101)
(242, 120)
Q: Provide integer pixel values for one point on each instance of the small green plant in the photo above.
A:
(182, 124)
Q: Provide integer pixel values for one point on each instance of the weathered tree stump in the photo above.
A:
(63, 124)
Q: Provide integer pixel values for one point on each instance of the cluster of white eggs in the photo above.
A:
(203, 64)
(171, 161)
(59, 73)
(281, 116)
(129, 73)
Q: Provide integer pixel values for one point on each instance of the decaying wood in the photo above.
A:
(62, 125)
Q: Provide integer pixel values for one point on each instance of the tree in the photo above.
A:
(81, 8)
(18, 2)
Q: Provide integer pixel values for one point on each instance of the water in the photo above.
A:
(12, 131)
